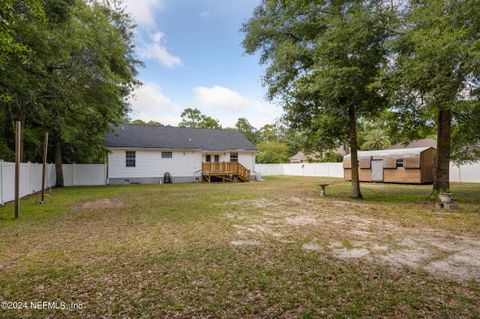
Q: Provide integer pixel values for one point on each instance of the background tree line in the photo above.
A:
(67, 66)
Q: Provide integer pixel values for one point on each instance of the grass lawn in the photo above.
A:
(273, 249)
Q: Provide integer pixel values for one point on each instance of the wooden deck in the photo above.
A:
(224, 172)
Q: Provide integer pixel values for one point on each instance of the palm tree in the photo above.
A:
(376, 139)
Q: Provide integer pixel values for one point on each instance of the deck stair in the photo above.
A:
(225, 172)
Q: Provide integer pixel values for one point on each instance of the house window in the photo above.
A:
(399, 162)
(216, 158)
(208, 158)
(130, 158)
(233, 157)
(167, 155)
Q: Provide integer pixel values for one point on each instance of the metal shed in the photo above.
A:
(408, 165)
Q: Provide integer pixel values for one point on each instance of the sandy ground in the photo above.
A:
(338, 228)
(99, 204)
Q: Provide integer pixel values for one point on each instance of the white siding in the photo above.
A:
(149, 163)
(247, 159)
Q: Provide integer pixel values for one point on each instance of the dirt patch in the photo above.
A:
(349, 234)
(101, 203)
(244, 243)
(311, 246)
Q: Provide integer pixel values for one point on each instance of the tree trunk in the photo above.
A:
(352, 128)
(23, 117)
(58, 165)
(442, 168)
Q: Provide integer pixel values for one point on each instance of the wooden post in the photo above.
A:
(18, 131)
(1, 183)
(44, 167)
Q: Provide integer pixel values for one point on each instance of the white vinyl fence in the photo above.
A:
(31, 177)
(467, 173)
(301, 169)
(84, 174)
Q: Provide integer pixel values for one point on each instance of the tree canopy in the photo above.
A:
(79, 71)
(324, 60)
(192, 117)
(435, 74)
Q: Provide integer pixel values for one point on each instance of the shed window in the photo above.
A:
(233, 157)
(130, 158)
(167, 155)
(399, 162)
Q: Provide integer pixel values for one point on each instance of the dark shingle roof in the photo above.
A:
(426, 142)
(171, 137)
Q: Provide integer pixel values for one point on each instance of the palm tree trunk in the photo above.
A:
(352, 127)
(442, 168)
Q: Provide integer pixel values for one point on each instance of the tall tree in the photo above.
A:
(272, 152)
(142, 122)
(247, 129)
(437, 63)
(192, 117)
(325, 58)
(80, 70)
(376, 139)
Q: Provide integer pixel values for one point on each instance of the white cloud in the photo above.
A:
(163, 119)
(149, 103)
(143, 11)
(220, 97)
(228, 105)
(157, 51)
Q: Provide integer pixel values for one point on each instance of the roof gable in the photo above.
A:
(172, 137)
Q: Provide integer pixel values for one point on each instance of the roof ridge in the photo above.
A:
(183, 127)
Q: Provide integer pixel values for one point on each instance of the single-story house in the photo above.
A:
(300, 157)
(407, 165)
(426, 142)
(144, 153)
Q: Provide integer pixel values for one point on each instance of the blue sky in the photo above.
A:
(194, 58)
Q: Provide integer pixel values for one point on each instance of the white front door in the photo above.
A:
(377, 170)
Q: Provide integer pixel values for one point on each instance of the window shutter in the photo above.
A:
(390, 162)
(411, 162)
(365, 162)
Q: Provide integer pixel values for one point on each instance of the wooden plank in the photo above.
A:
(411, 162)
(402, 175)
(390, 162)
(365, 162)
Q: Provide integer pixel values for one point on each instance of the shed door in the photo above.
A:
(377, 170)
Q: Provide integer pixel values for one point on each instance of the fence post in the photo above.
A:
(105, 171)
(1, 183)
(73, 174)
(30, 186)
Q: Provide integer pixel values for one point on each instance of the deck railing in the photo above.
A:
(225, 168)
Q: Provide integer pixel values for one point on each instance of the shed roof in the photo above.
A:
(390, 153)
(172, 137)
